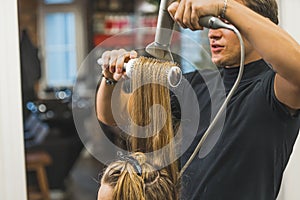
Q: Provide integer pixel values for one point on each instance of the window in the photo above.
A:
(62, 36)
(60, 48)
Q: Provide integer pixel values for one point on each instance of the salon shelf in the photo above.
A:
(123, 40)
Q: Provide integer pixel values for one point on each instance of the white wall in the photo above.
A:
(289, 16)
(291, 181)
(12, 169)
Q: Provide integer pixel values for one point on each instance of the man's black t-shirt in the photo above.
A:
(255, 140)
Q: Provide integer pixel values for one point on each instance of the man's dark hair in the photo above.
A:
(266, 8)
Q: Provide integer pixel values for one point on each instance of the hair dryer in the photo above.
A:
(160, 48)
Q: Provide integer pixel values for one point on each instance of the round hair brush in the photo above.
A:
(174, 74)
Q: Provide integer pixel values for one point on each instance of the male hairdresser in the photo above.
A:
(262, 118)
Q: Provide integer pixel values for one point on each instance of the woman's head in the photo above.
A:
(122, 180)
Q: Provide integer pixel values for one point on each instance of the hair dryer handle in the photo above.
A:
(214, 23)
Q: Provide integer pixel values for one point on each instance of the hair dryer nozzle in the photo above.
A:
(159, 51)
(160, 48)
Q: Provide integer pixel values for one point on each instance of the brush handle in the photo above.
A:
(127, 66)
(174, 74)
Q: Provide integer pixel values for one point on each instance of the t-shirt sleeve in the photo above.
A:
(276, 105)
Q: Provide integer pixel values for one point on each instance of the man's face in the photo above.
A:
(225, 47)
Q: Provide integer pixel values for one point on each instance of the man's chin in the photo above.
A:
(217, 62)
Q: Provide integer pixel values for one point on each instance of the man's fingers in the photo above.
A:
(172, 9)
(133, 54)
(120, 62)
(180, 13)
(195, 20)
(113, 61)
(114, 56)
(187, 16)
(117, 76)
(105, 60)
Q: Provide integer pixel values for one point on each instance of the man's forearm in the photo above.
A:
(275, 45)
(105, 104)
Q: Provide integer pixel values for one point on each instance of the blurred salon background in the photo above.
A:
(43, 45)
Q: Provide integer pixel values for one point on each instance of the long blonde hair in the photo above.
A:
(127, 184)
(150, 88)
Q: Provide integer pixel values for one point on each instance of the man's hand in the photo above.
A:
(113, 62)
(188, 12)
